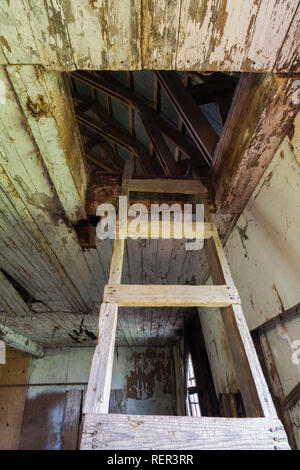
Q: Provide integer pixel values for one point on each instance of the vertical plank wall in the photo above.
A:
(12, 399)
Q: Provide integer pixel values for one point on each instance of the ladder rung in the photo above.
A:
(130, 295)
(189, 230)
(161, 185)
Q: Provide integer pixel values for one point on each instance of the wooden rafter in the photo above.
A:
(166, 159)
(180, 121)
(108, 84)
(203, 133)
(111, 129)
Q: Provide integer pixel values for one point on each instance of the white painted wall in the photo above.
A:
(264, 257)
(146, 375)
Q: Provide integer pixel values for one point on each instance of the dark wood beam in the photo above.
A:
(260, 116)
(107, 83)
(107, 151)
(203, 133)
(180, 123)
(111, 129)
(161, 148)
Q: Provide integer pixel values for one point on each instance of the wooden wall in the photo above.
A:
(12, 398)
(47, 413)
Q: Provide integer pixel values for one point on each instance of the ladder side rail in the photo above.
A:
(99, 385)
(256, 396)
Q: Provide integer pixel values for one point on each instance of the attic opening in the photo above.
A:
(169, 121)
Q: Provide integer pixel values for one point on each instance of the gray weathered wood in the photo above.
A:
(98, 391)
(169, 296)
(20, 342)
(115, 431)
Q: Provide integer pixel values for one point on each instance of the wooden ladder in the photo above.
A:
(101, 430)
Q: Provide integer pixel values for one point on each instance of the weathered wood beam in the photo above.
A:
(18, 341)
(204, 135)
(107, 83)
(250, 378)
(169, 296)
(98, 391)
(107, 151)
(261, 114)
(180, 124)
(161, 148)
(117, 431)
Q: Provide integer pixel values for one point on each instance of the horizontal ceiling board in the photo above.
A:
(131, 35)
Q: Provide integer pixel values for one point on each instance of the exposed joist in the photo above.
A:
(161, 148)
(107, 83)
(107, 151)
(116, 135)
(98, 391)
(101, 161)
(130, 295)
(204, 135)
